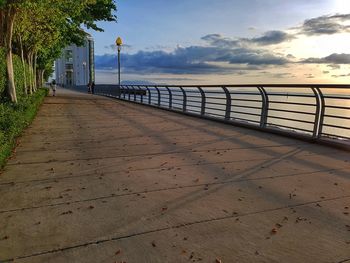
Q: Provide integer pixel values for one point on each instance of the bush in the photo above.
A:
(14, 118)
(2, 71)
(18, 72)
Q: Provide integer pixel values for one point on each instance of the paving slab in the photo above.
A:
(95, 179)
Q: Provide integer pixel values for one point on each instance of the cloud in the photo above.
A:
(326, 25)
(341, 76)
(309, 76)
(334, 58)
(334, 66)
(218, 40)
(270, 38)
(222, 56)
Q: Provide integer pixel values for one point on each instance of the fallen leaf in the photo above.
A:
(273, 231)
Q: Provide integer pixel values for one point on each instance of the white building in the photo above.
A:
(76, 66)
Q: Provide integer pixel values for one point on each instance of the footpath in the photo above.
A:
(100, 180)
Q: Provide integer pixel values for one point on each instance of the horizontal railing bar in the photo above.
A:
(337, 107)
(336, 135)
(245, 120)
(209, 108)
(244, 93)
(216, 98)
(246, 107)
(216, 103)
(338, 117)
(292, 95)
(214, 114)
(290, 119)
(194, 101)
(336, 126)
(189, 96)
(246, 113)
(251, 100)
(292, 103)
(336, 97)
(292, 111)
(288, 127)
(214, 92)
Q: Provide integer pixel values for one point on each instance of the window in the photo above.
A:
(69, 56)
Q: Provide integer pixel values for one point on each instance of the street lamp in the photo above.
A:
(119, 44)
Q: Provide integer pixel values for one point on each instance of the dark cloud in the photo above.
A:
(222, 58)
(331, 59)
(309, 76)
(341, 76)
(218, 40)
(270, 38)
(326, 25)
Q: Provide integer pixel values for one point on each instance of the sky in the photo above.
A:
(227, 42)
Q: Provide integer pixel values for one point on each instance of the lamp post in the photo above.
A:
(119, 44)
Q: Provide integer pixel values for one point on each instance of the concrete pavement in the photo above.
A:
(99, 180)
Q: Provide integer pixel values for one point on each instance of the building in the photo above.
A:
(76, 67)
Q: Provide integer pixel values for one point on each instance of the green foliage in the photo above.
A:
(14, 118)
(2, 71)
(18, 71)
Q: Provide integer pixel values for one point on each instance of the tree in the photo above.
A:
(43, 28)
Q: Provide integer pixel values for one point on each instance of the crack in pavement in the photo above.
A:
(159, 190)
(115, 238)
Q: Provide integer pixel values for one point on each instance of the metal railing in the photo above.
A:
(313, 111)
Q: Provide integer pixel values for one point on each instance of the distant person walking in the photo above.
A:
(93, 87)
(53, 87)
(89, 87)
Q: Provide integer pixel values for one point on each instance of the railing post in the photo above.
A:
(228, 103)
(141, 93)
(170, 97)
(319, 113)
(323, 109)
(158, 92)
(264, 107)
(184, 102)
(129, 93)
(134, 91)
(123, 89)
(149, 94)
(203, 100)
(119, 91)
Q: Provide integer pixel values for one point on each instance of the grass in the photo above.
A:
(14, 118)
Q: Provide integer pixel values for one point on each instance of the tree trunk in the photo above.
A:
(24, 65)
(34, 72)
(30, 72)
(42, 77)
(9, 21)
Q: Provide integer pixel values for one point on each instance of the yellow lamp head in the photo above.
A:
(119, 41)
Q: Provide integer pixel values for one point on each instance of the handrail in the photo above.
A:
(318, 111)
